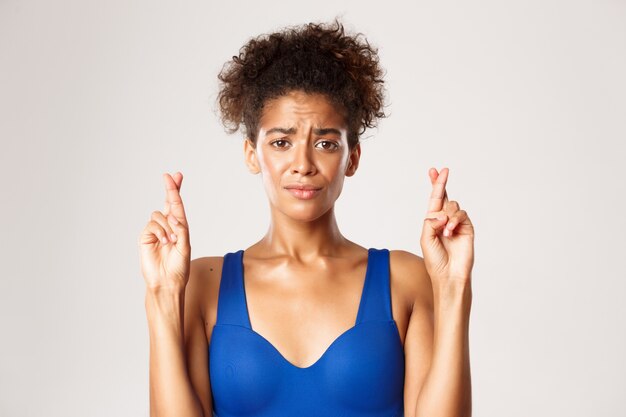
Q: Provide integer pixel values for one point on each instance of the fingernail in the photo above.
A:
(446, 232)
(164, 239)
(173, 236)
(173, 220)
(450, 226)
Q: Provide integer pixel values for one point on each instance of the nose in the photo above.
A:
(302, 163)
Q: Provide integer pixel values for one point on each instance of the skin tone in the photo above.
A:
(302, 229)
(302, 139)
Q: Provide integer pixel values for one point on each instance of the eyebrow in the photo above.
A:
(292, 130)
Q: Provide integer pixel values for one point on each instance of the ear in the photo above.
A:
(251, 157)
(353, 160)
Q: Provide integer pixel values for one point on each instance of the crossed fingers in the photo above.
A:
(173, 201)
(439, 203)
(438, 195)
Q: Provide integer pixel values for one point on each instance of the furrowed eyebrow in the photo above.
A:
(281, 130)
(292, 130)
(326, 131)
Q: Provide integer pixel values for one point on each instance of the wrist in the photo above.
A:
(453, 292)
(165, 291)
(165, 303)
(452, 284)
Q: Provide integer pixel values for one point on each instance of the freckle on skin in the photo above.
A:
(211, 269)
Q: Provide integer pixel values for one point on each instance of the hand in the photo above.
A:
(448, 254)
(164, 242)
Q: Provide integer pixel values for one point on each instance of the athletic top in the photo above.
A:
(360, 374)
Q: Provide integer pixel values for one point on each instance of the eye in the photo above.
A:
(333, 145)
(276, 143)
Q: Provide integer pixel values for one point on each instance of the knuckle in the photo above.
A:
(156, 226)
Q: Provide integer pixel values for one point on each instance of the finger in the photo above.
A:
(165, 223)
(451, 207)
(433, 179)
(438, 195)
(157, 230)
(181, 234)
(174, 203)
(178, 179)
(432, 227)
(445, 190)
(456, 219)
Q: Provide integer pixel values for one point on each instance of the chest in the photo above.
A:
(316, 337)
(302, 317)
(250, 377)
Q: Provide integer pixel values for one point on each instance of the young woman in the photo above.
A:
(306, 322)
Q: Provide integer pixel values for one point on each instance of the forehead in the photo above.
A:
(298, 107)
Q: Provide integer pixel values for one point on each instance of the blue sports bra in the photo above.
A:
(360, 374)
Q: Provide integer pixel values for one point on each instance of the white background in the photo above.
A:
(523, 101)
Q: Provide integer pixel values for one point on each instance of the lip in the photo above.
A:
(302, 187)
(303, 191)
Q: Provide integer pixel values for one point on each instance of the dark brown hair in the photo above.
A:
(314, 58)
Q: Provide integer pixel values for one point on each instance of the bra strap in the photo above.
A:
(376, 298)
(231, 307)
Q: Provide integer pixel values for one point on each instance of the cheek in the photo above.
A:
(272, 172)
(273, 167)
(335, 170)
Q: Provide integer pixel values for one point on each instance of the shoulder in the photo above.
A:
(408, 273)
(205, 267)
(203, 285)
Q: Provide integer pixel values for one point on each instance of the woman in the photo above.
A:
(319, 326)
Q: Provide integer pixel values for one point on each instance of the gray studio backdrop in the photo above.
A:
(523, 101)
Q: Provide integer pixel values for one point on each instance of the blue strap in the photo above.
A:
(231, 307)
(375, 303)
(376, 300)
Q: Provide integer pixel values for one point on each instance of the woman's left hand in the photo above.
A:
(447, 237)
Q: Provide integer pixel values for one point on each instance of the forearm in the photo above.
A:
(446, 391)
(171, 392)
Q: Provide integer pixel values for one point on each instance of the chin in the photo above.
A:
(303, 215)
(303, 211)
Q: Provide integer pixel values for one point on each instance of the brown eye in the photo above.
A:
(278, 141)
(330, 145)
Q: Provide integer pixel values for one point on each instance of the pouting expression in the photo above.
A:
(302, 143)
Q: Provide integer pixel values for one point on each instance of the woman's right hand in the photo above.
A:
(165, 259)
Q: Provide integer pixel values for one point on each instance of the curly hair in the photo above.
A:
(314, 58)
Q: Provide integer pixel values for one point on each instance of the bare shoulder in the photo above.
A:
(408, 273)
(205, 267)
(203, 286)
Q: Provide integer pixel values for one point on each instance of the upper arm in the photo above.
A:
(196, 346)
(418, 342)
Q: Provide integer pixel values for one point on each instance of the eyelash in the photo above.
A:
(336, 146)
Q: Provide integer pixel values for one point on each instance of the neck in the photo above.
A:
(303, 239)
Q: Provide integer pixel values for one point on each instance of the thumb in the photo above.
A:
(182, 233)
(432, 226)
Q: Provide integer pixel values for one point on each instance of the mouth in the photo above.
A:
(304, 193)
